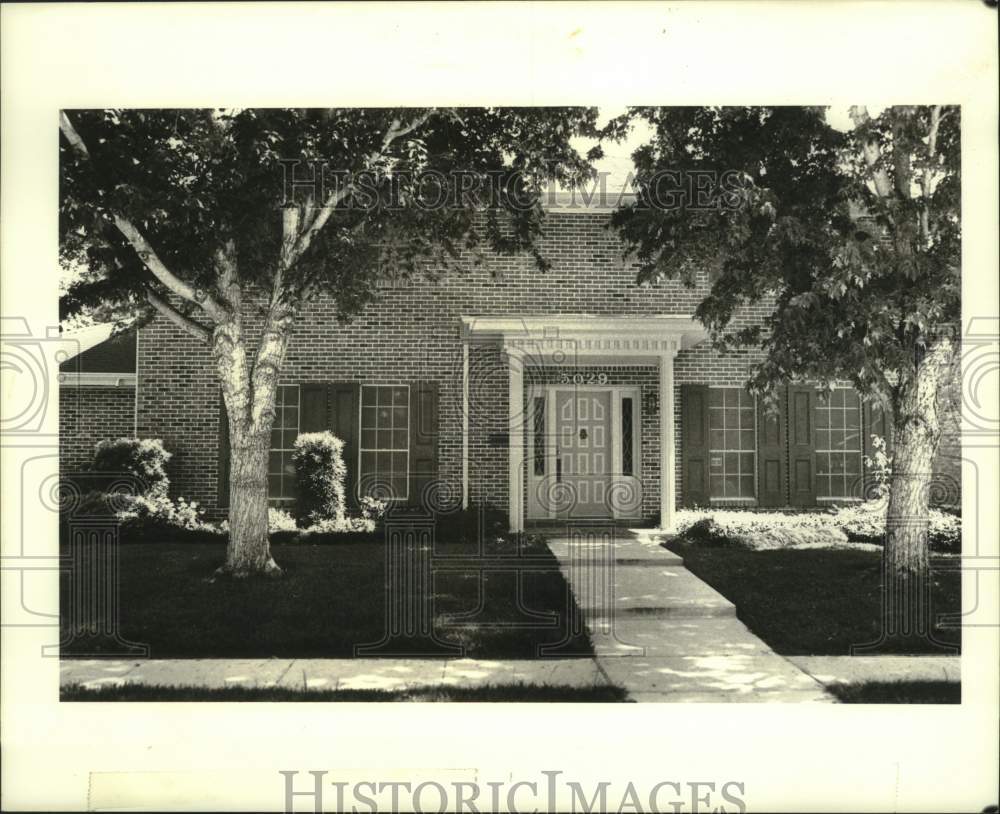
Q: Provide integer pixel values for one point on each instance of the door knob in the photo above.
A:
(583, 434)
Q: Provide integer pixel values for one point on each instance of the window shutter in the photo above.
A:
(343, 422)
(772, 469)
(802, 445)
(423, 438)
(313, 408)
(694, 444)
(223, 478)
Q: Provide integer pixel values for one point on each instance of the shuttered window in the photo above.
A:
(385, 441)
(732, 444)
(838, 445)
(284, 431)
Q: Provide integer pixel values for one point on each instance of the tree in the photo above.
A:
(221, 220)
(854, 233)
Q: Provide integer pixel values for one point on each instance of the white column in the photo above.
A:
(666, 440)
(465, 424)
(515, 429)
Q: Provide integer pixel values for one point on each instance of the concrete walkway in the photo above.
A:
(856, 669)
(662, 633)
(330, 674)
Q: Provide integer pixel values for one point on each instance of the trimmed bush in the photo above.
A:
(145, 459)
(760, 530)
(319, 478)
(855, 525)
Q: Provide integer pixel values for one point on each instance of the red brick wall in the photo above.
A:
(413, 333)
(88, 415)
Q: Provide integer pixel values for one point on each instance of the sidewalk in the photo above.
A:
(330, 674)
(663, 634)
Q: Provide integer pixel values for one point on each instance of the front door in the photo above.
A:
(583, 452)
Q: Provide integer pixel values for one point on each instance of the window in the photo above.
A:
(538, 427)
(284, 431)
(385, 441)
(732, 444)
(838, 445)
(628, 457)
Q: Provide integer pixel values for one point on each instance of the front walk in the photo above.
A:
(663, 634)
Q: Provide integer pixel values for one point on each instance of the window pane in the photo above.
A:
(368, 418)
(384, 439)
(383, 463)
(399, 395)
(399, 439)
(399, 417)
(628, 465)
(538, 440)
(385, 397)
(367, 438)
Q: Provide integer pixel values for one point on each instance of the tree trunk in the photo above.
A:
(249, 549)
(907, 612)
(250, 409)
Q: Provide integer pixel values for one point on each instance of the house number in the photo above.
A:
(583, 378)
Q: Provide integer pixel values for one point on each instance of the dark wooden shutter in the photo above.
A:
(694, 444)
(801, 445)
(423, 438)
(313, 400)
(223, 454)
(772, 454)
(344, 416)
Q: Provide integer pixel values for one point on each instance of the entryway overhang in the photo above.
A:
(572, 340)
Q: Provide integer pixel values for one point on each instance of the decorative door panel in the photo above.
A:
(583, 454)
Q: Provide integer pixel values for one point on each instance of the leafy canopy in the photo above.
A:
(195, 182)
(853, 234)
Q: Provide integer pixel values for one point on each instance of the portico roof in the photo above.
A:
(587, 334)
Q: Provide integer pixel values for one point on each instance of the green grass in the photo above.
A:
(898, 692)
(333, 599)
(813, 602)
(519, 692)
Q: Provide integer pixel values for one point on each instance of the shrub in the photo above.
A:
(145, 459)
(759, 530)
(279, 520)
(319, 478)
(155, 515)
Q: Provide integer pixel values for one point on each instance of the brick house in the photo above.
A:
(573, 393)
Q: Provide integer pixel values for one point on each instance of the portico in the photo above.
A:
(571, 441)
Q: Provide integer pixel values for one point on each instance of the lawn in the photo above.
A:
(814, 602)
(504, 602)
(898, 692)
(520, 692)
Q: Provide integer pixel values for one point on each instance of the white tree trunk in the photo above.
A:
(249, 404)
(917, 430)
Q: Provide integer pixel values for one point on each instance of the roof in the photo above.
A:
(94, 350)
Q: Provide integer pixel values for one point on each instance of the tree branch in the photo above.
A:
(177, 318)
(872, 153)
(141, 246)
(396, 130)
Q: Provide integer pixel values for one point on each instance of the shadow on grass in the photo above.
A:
(519, 692)
(898, 692)
(502, 599)
(815, 602)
